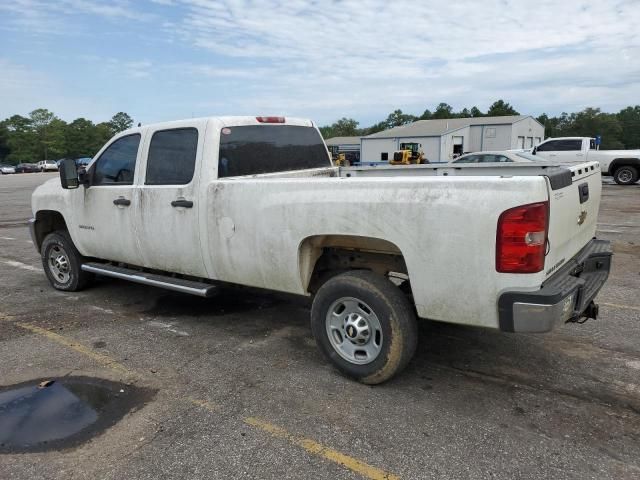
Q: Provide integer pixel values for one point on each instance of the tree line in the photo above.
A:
(43, 136)
(619, 130)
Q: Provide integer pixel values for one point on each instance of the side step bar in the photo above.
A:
(200, 289)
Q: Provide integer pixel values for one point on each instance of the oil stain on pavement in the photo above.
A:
(44, 415)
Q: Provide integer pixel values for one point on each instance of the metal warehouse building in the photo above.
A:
(350, 146)
(441, 139)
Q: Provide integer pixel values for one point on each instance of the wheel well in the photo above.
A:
(323, 256)
(47, 221)
(624, 162)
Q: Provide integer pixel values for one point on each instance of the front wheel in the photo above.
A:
(62, 263)
(364, 325)
(625, 175)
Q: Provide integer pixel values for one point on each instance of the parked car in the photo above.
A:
(83, 162)
(255, 201)
(47, 166)
(622, 165)
(7, 169)
(26, 168)
(496, 157)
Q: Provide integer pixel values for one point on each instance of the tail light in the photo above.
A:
(522, 238)
(270, 119)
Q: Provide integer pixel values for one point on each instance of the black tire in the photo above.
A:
(395, 316)
(62, 261)
(625, 175)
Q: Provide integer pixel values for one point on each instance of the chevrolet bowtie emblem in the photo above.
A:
(582, 217)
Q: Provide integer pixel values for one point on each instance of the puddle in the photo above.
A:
(61, 413)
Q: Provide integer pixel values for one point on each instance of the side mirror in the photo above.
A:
(535, 149)
(68, 174)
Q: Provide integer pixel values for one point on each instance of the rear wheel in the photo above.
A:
(625, 175)
(364, 325)
(62, 263)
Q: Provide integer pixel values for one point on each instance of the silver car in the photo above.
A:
(7, 169)
(496, 157)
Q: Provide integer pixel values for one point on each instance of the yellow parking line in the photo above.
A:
(320, 450)
(102, 359)
(311, 446)
(617, 305)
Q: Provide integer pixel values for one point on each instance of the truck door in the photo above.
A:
(104, 223)
(565, 150)
(167, 201)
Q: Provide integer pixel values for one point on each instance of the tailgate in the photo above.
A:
(573, 214)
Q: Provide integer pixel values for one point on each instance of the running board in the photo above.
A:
(200, 289)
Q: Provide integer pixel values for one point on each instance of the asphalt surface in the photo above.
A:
(242, 392)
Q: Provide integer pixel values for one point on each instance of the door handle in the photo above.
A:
(182, 203)
(121, 201)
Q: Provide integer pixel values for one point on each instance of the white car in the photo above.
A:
(496, 157)
(47, 166)
(7, 169)
(256, 201)
(622, 165)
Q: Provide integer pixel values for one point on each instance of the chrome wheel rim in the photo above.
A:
(354, 330)
(624, 175)
(58, 262)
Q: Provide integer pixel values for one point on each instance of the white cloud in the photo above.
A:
(327, 59)
(357, 57)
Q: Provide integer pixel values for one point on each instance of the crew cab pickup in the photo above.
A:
(622, 165)
(255, 201)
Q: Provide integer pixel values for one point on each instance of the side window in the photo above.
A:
(172, 157)
(551, 146)
(592, 144)
(117, 163)
(570, 145)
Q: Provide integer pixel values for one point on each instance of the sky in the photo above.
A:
(170, 59)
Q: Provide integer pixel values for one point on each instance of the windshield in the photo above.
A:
(528, 156)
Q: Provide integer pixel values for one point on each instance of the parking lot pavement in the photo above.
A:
(240, 391)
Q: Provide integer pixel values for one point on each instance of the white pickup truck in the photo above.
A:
(255, 201)
(622, 165)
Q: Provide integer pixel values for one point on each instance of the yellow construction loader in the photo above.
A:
(338, 159)
(409, 153)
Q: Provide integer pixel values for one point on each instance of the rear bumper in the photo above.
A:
(566, 296)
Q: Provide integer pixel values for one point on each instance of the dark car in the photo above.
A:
(26, 168)
(83, 162)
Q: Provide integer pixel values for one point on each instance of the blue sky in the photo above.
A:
(168, 59)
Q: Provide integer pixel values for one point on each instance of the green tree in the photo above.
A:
(443, 110)
(120, 121)
(378, 127)
(500, 108)
(79, 138)
(397, 119)
(629, 119)
(4, 141)
(426, 115)
(41, 118)
(475, 112)
(22, 140)
(345, 127)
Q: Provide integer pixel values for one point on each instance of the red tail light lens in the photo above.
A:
(522, 238)
(270, 119)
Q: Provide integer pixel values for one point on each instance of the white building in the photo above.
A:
(441, 139)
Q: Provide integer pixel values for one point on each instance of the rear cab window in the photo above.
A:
(258, 149)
